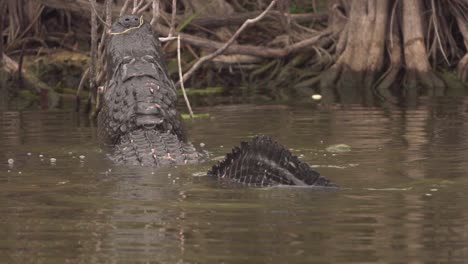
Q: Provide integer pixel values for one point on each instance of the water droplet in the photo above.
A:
(53, 160)
(82, 157)
(29, 153)
(11, 161)
(202, 144)
(41, 156)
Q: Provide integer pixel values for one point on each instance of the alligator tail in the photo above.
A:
(264, 162)
(154, 148)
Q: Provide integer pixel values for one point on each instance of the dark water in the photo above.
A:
(403, 196)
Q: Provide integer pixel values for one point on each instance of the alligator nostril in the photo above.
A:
(127, 19)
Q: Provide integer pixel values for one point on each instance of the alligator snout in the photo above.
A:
(129, 21)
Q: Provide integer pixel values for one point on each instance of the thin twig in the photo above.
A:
(109, 12)
(227, 44)
(124, 7)
(166, 39)
(2, 25)
(81, 85)
(142, 9)
(33, 22)
(181, 78)
(436, 31)
(93, 7)
(173, 17)
(137, 5)
(92, 67)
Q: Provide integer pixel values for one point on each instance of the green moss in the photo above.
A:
(454, 85)
(202, 115)
(206, 91)
(27, 95)
(83, 94)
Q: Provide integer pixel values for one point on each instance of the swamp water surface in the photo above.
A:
(402, 198)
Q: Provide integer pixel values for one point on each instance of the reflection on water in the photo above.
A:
(403, 197)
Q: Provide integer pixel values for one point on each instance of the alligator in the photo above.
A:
(140, 121)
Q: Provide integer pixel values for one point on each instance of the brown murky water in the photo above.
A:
(403, 197)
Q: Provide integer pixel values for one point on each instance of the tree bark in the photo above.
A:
(378, 40)
(462, 67)
(418, 69)
(362, 58)
(395, 53)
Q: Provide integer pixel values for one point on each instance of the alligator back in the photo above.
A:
(264, 162)
(148, 147)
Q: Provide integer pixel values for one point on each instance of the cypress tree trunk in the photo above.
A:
(418, 69)
(363, 45)
(384, 45)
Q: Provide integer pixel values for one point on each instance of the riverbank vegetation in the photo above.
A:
(353, 51)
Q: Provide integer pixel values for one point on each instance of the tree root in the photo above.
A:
(462, 69)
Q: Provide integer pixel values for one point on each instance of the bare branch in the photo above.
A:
(2, 25)
(124, 7)
(93, 8)
(137, 5)
(227, 44)
(93, 52)
(156, 13)
(181, 78)
(142, 9)
(109, 12)
(173, 18)
(81, 85)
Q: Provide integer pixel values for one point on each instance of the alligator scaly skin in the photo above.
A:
(139, 118)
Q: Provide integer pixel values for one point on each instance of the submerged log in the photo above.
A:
(28, 80)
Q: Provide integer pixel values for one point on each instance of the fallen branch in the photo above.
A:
(258, 51)
(83, 6)
(237, 19)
